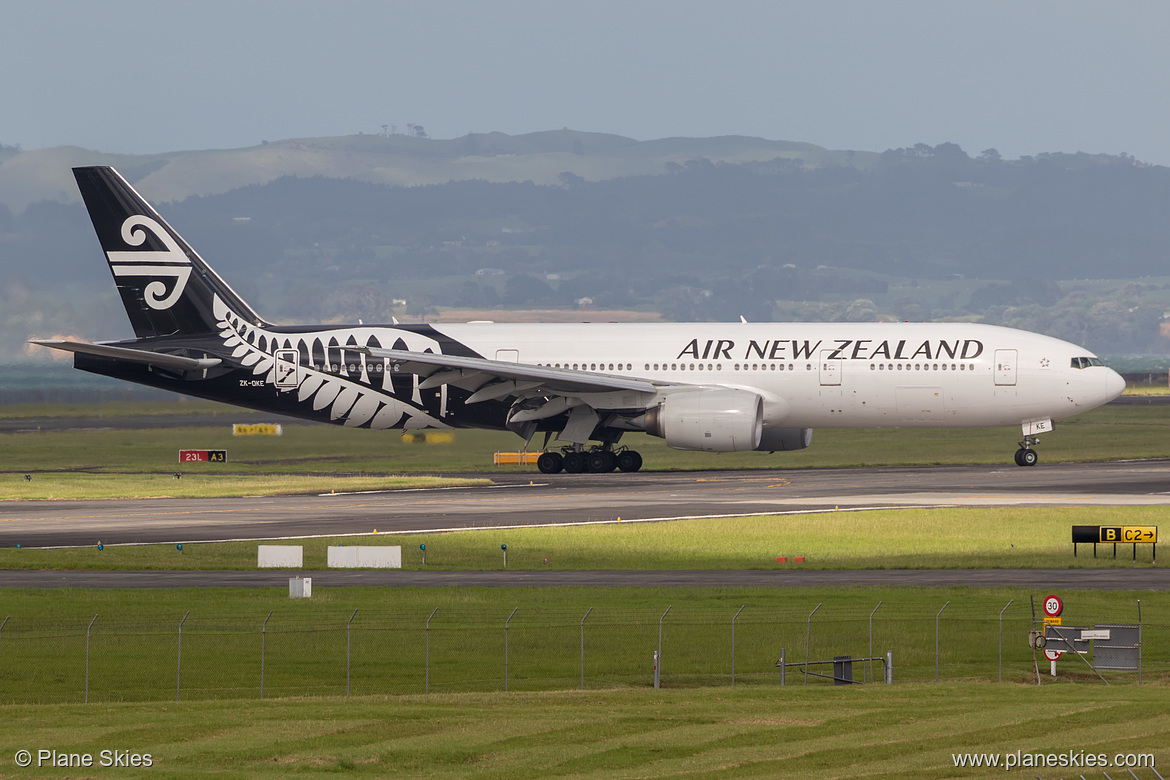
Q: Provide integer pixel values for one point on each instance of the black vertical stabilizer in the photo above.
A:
(165, 286)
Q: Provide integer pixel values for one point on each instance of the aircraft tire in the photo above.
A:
(601, 462)
(629, 461)
(1026, 456)
(550, 463)
(574, 462)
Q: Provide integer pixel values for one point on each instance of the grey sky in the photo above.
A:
(1024, 77)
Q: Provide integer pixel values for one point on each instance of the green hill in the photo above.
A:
(43, 174)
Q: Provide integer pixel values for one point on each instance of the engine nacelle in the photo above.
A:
(707, 420)
(785, 439)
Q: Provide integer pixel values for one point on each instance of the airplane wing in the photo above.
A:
(160, 359)
(494, 379)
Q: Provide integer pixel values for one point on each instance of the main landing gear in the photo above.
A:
(1025, 455)
(597, 460)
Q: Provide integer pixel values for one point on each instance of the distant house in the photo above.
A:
(490, 272)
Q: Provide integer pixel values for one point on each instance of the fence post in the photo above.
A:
(427, 689)
(870, 662)
(1001, 638)
(506, 622)
(179, 664)
(733, 645)
(263, 648)
(889, 667)
(2, 626)
(347, 625)
(95, 617)
(783, 667)
(1140, 640)
(582, 648)
(936, 617)
(808, 640)
(658, 666)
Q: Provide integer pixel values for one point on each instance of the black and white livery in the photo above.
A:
(715, 387)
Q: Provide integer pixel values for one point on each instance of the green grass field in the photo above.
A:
(139, 463)
(228, 634)
(619, 726)
(1001, 537)
(874, 732)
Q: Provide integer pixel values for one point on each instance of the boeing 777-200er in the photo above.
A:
(715, 387)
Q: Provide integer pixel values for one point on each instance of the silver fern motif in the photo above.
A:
(349, 395)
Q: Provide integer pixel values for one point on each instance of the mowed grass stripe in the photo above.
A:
(899, 731)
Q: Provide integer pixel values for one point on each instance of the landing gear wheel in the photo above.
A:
(629, 460)
(601, 462)
(550, 462)
(574, 462)
(1025, 456)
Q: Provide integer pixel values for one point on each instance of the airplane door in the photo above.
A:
(288, 363)
(830, 370)
(1005, 367)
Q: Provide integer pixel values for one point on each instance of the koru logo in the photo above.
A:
(169, 264)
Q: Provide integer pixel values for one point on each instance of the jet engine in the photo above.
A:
(785, 439)
(707, 420)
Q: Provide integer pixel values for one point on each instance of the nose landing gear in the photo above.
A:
(1025, 455)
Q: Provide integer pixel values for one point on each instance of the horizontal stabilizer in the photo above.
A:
(159, 359)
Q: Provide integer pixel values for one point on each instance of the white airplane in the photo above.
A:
(715, 387)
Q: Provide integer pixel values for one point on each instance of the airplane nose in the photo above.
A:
(1114, 385)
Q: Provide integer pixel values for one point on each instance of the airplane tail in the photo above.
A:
(165, 286)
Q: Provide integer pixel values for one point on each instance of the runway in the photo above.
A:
(525, 500)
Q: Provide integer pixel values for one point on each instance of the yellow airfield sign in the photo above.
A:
(260, 429)
(1129, 534)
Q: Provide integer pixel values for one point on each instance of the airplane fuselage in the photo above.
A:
(811, 375)
(716, 387)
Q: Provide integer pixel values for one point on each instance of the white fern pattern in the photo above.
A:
(349, 395)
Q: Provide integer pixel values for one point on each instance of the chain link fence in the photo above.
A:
(450, 649)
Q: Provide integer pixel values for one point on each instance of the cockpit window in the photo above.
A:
(1085, 362)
